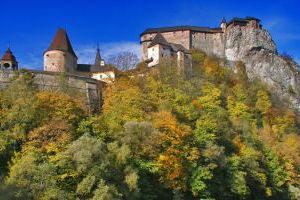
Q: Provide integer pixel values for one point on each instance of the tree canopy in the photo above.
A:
(161, 134)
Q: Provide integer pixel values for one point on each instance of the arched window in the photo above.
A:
(6, 65)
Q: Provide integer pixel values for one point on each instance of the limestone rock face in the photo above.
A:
(258, 51)
(240, 40)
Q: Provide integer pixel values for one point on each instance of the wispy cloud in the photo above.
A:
(86, 53)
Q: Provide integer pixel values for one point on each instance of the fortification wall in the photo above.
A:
(88, 89)
(212, 44)
(178, 37)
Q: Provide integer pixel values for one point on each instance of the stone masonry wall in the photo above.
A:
(212, 44)
(88, 89)
(59, 61)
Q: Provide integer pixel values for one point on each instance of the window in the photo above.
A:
(100, 76)
(6, 65)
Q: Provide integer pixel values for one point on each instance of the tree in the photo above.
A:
(124, 61)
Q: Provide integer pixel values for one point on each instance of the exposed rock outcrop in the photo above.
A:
(258, 51)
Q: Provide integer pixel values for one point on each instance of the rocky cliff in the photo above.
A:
(258, 51)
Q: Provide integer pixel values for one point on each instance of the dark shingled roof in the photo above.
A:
(9, 56)
(158, 39)
(180, 28)
(252, 18)
(178, 47)
(93, 68)
(84, 67)
(61, 42)
(243, 20)
(106, 68)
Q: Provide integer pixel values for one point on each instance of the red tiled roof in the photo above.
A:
(61, 42)
(8, 56)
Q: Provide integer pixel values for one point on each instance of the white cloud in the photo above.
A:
(86, 53)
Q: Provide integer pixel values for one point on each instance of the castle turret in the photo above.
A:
(8, 61)
(223, 24)
(60, 56)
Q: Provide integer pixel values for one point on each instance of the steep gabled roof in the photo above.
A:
(159, 39)
(98, 58)
(9, 56)
(61, 42)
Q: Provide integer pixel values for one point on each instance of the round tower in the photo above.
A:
(8, 61)
(60, 56)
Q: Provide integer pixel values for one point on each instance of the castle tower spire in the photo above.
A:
(98, 57)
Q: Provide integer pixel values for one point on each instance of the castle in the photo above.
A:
(177, 41)
(60, 57)
(240, 39)
(86, 79)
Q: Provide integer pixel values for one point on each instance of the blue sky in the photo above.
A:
(30, 25)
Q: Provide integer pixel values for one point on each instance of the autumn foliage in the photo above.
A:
(161, 134)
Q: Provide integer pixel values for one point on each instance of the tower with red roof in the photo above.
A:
(60, 56)
(8, 61)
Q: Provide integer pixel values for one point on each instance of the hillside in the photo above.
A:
(162, 134)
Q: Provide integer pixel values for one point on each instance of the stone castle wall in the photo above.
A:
(211, 43)
(88, 89)
(59, 61)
